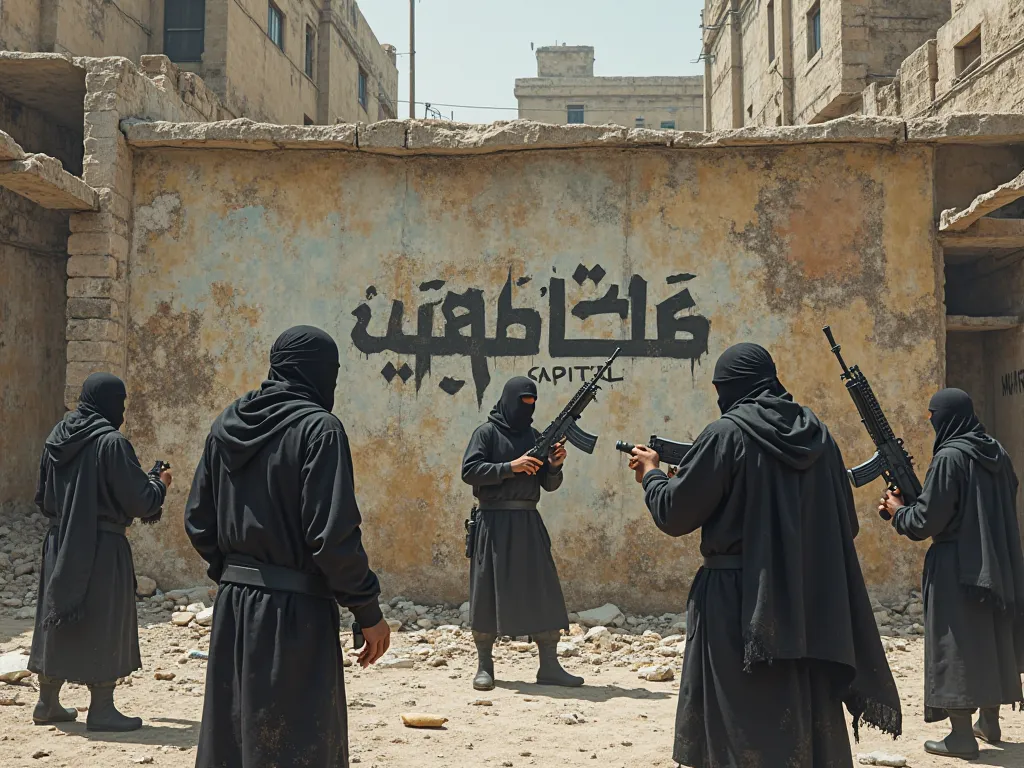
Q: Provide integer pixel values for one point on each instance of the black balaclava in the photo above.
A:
(952, 415)
(510, 412)
(104, 394)
(745, 371)
(307, 358)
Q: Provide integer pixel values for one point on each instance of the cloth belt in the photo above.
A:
(499, 505)
(252, 573)
(102, 525)
(724, 562)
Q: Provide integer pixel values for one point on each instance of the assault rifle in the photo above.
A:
(891, 460)
(564, 426)
(160, 466)
(669, 451)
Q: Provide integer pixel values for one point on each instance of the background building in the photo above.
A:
(566, 91)
(281, 61)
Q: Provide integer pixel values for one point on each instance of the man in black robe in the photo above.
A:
(513, 583)
(779, 628)
(273, 512)
(973, 585)
(91, 487)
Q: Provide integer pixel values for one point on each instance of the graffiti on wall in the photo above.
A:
(680, 333)
(1013, 382)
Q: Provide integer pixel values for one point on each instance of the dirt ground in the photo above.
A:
(626, 721)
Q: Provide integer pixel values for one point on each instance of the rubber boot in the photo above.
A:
(987, 727)
(484, 680)
(103, 715)
(551, 672)
(960, 742)
(48, 709)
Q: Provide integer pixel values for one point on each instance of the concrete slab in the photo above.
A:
(43, 180)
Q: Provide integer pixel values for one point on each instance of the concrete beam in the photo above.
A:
(968, 128)
(239, 134)
(43, 180)
(986, 234)
(957, 221)
(974, 324)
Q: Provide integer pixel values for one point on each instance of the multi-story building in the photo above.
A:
(785, 62)
(566, 91)
(281, 61)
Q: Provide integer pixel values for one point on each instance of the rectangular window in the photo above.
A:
(639, 122)
(574, 114)
(668, 125)
(814, 30)
(275, 25)
(362, 88)
(967, 53)
(771, 31)
(184, 29)
(310, 45)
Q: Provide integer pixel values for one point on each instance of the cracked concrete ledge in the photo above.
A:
(437, 137)
(43, 180)
(953, 220)
(9, 148)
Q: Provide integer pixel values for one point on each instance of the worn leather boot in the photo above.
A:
(103, 715)
(48, 709)
(551, 672)
(960, 742)
(987, 727)
(484, 680)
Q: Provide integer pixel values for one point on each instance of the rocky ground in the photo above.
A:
(622, 717)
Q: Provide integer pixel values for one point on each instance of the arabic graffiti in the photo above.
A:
(681, 333)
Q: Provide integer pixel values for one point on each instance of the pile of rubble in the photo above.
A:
(22, 529)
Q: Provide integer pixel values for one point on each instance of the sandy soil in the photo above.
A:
(628, 722)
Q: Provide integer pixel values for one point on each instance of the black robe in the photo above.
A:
(973, 584)
(776, 647)
(92, 637)
(513, 583)
(275, 693)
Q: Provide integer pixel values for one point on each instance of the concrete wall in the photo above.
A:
(19, 25)
(565, 61)
(765, 243)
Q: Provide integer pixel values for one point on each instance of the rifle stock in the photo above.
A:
(669, 451)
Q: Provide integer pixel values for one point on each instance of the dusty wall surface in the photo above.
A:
(467, 259)
(19, 25)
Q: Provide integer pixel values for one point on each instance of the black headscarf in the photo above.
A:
(510, 413)
(100, 409)
(743, 372)
(954, 421)
(302, 379)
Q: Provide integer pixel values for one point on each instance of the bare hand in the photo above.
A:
(891, 503)
(166, 477)
(672, 471)
(527, 464)
(378, 640)
(557, 457)
(643, 460)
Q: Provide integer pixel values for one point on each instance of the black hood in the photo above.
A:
(100, 410)
(957, 426)
(510, 413)
(302, 379)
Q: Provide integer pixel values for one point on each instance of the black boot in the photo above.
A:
(484, 680)
(103, 715)
(48, 709)
(987, 727)
(551, 672)
(960, 742)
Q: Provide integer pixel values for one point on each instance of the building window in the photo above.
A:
(275, 25)
(574, 114)
(310, 44)
(362, 88)
(771, 31)
(814, 30)
(967, 54)
(668, 125)
(184, 28)
(639, 122)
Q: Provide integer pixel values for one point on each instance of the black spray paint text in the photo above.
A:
(1013, 382)
(570, 373)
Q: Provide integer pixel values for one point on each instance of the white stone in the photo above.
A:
(196, 607)
(566, 650)
(182, 618)
(146, 586)
(394, 624)
(573, 718)
(396, 663)
(464, 608)
(25, 569)
(668, 651)
(205, 617)
(671, 640)
(881, 758)
(14, 667)
(425, 623)
(29, 612)
(605, 616)
(657, 674)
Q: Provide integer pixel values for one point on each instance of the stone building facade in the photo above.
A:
(282, 61)
(788, 62)
(566, 91)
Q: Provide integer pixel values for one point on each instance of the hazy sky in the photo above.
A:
(469, 52)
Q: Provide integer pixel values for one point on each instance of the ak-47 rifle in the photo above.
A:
(669, 451)
(891, 460)
(158, 468)
(564, 426)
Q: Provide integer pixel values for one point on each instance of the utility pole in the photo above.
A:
(412, 59)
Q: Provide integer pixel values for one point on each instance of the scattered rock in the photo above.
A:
(605, 616)
(657, 674)
(21, 570)
(394, 624)
(520, 647)
(40, 753)
(573, 718)
(14, 667)
(158, 675)
(196, 654)
(482, 703)
(205, 617)
(400, 663)
(881, 758)
(438, 661)
(28, 612)
(147, 760)
(182, 618)
(146, 587)
(11, 701)
(422, 720)
(565, 650)
(196, 607)
(424, 623)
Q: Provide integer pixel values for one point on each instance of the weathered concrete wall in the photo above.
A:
(19, 25)
(763, 242)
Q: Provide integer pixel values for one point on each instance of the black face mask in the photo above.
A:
(307, 357)
(743, 371)
(104, 394)
(510, 412)
(952, 415)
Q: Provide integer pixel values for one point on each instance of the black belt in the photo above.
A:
(102, 525)
(252, 573)
(499, 505)
(724, 562)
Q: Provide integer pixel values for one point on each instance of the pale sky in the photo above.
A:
(469, 52)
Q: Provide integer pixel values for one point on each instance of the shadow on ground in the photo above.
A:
(595, 693)
(157, 731)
